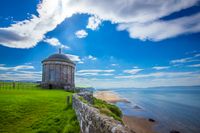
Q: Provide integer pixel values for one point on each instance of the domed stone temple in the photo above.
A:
(58, 72)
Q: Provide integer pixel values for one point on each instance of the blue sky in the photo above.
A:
(131, 44)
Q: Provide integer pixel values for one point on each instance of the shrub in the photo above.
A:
(108, 109)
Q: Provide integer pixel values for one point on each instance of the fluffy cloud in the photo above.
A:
(79, 60)
(194, 65)
(133, 71)
(114, 64)
(90, 57)
(28, 33)
(22, 75)
(183, 80)
(74, 58)
(20, 72)
(158, 75)
(197, 55)
(94, 74)
(96, 71)
(81, 34)
(130, 10)
(156, 30)
(182, 60)
(140, 18)
(160, 67)
(93, 23)
(86, 74)
(16, 68)
(55, 42)
(185, 60)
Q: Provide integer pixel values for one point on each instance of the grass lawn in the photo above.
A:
(36, 110)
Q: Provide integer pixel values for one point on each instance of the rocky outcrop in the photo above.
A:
(91, 120)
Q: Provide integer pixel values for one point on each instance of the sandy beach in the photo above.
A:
(109, 96)
(138, 125)
(134, 124)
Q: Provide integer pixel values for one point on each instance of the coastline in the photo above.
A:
(109, 96)
(133, 123)
(138, 124)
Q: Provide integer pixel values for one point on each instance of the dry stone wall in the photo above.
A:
(92, 121)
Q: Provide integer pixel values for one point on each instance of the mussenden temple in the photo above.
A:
(58, 72)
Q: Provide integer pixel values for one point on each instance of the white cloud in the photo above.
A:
(16, 68)
(96, 71)
(27, 33)
(160, 67)
(135, 67)
(182, 60)
(131, 10)
(156, 31)
(197, 55)
(194, 65)
(55, 42)
(114, 64)
(74, 58)
(81, 62)
(140, 18)
(77, 58)
(93, 23)
(81, 34)
(157, 75)
(22, 75)
(93, 74)
(90, 57)
(107, 74)
(133, 71)
(186, 80)
(86, 74)
(20, 72)
(185, 60)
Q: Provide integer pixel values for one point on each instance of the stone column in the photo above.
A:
(68, 72)
(43, 69)
(57, 73)
(71, 75)
(47, 73)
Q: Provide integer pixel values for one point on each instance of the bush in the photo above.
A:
(83, 100)
(108, 109)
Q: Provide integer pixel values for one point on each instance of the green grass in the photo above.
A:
(108, 109)
(83, 100)
(36, 110)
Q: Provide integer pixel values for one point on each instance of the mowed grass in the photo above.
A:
(35, 110)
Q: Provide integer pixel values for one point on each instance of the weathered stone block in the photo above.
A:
(90, 119)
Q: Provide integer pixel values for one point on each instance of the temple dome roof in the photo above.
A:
(59, 57)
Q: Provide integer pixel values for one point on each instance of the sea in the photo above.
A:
(174, 108)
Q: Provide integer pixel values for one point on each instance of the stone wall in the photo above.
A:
(92, 121)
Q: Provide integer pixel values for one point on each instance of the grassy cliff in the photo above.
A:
(36, 110)
(108, 109)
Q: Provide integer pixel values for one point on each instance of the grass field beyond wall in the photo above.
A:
(35, 110)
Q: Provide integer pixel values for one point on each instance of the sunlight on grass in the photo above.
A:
(36, 111)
